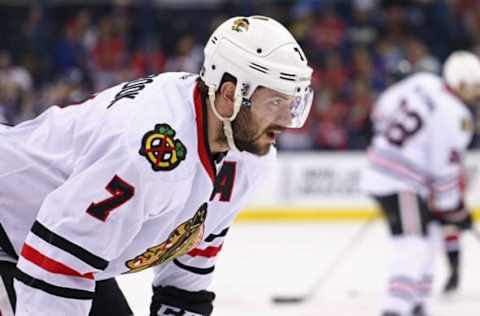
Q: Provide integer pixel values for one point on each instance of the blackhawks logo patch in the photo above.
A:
(161, 149)
(467, 125)
(180, 241)
(240, 25)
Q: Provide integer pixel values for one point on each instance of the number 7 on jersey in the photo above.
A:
(121, 192)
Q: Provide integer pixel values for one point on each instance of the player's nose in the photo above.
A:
(284, 117)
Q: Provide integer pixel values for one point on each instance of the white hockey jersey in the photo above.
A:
(120, 183)
(422, 131)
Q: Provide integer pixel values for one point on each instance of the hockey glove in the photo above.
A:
(171, 301)
(460, 217)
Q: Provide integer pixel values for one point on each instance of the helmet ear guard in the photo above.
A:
(257, 51)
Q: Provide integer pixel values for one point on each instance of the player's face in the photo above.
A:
(470, 94)
(256, 128)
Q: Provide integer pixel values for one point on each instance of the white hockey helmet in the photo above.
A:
(257, 51)
(462, 67)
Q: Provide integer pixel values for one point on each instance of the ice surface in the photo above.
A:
(259, 261)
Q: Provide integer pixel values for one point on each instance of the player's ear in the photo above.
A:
(226, 97)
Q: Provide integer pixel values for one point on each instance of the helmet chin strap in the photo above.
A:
(227, 121)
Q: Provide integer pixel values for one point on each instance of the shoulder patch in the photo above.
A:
(467, 125)
(161, 149)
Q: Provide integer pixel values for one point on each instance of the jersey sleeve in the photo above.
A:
(450, 137)
(82, 225)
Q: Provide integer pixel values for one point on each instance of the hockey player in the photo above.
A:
(128, 179)
(422, 129)
(450, 234)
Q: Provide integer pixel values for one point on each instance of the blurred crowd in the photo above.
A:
(63, 52)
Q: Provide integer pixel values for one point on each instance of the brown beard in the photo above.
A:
(245, 133)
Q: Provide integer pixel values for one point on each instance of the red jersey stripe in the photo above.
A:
(203, 147)
(49, 264)
(207, 252)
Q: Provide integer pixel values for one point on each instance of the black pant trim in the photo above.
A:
(7, 272)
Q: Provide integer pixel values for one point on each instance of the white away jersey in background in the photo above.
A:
(120, 183)
(422, 131)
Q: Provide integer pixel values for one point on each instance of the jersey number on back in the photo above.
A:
(121, 192)
(405, 125)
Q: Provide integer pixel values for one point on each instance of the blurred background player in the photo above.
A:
(450, 234)
(422, 129)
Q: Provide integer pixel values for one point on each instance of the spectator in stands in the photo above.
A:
(148, 58)
(362, 31)
(188, 56)
(66, 90)
(330, 132)
(360, 40)
(35, 42)
(419, 57)
(86, 29)
(328, 32)
(69, 51)
(363, 68)
(335, 75)
(16, 86)
(360, 104)
(109, 54)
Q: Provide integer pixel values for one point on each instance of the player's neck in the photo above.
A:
(216, 137)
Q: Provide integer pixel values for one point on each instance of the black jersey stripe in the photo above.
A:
(195, 270)
(212, 237)
(6, 245)
(53, 289)
(73, 249)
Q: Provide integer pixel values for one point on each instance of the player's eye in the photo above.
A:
(276, 102)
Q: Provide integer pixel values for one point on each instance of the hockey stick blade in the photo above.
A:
(288, 299)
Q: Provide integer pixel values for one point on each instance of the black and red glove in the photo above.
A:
(459, 217)
(172, 301)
